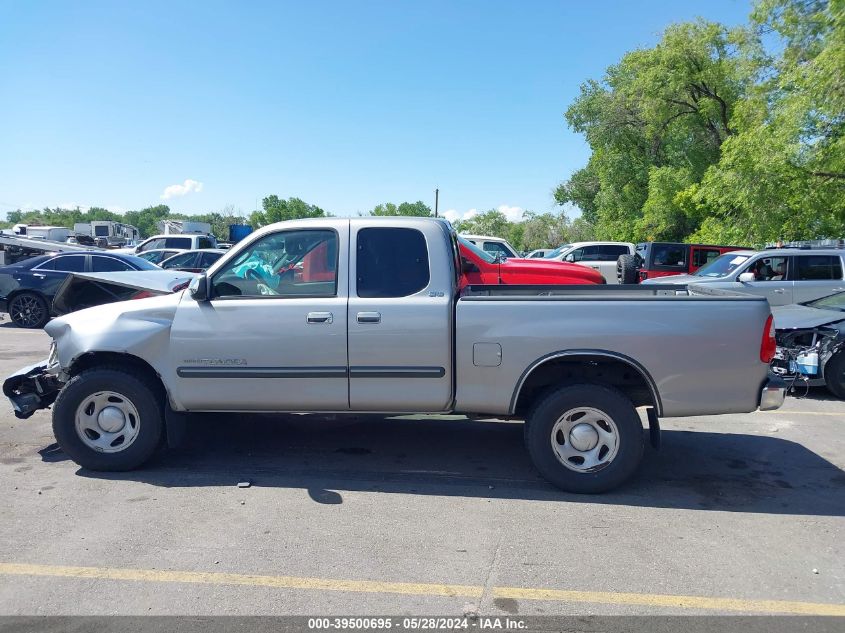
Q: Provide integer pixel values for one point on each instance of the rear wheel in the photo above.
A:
(585, 438)
(834, 375)
(106, 419)
(29, 310)
(626, 269)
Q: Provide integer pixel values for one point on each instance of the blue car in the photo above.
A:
(27, 288)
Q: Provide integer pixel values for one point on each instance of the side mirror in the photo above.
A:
(468, 266)
(744, 278)
(199, 288)
(569, 258)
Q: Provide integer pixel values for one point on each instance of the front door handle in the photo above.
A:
(369, 317)
(779, 291)
(319, 317)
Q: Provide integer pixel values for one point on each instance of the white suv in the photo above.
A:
(601, 256)
(493, 245)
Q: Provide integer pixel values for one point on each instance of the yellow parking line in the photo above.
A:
(425, 589)
(219, 578)
(677, 602)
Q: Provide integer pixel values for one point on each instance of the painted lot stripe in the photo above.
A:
(219, 578)
(677, 602)
(425, 589)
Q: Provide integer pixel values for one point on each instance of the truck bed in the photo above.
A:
(690, 342)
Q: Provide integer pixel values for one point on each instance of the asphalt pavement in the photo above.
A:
(423, 515)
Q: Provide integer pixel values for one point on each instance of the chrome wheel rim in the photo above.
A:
(107, 422)
(585, 439)
(26, 311)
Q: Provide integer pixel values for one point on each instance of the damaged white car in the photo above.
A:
(811, 343)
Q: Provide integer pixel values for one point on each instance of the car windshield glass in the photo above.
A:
(557, 251)
(830, 302)
(487, 257)
(721, 266)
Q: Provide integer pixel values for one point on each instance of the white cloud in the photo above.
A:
(513, 214)
(177, 191)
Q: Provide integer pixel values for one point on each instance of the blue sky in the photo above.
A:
(343, 104)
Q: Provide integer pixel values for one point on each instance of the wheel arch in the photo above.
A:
(586, 365)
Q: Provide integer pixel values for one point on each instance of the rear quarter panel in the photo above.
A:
(701, 352)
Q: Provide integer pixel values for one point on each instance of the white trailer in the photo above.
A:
(175, 227)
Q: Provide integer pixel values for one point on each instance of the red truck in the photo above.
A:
(480, 267)
(663, 259)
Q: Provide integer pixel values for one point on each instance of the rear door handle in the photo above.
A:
(319, 317)
(779, 291)
(369, 317)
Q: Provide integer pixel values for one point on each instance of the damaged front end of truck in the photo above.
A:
(36, 386)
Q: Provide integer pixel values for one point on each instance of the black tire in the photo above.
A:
(546, 413)
(29, 310)
(141, 393)
(626, 269)
(834, 375)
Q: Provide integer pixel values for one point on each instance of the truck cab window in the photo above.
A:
(299, 263)
(391, 262)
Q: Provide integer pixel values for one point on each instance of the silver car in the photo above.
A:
(783, 276)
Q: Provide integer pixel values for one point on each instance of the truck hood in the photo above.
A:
(798, 317)
(551, 269)
(86, 290)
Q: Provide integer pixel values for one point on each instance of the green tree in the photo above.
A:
(493, 223)
(655, 123)
(275, 209)
(782, 175)
(411, 209)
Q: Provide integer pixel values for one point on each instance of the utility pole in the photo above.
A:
(436, 201)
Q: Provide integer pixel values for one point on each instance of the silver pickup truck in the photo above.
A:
(372, 315)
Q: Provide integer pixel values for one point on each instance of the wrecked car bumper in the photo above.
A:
(32, 388)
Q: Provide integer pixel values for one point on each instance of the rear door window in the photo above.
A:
(391, 262)
(818, 267)
(176, 242)
(207, 259)
(702, 256)
(204, 242)
(669, 256)
(100, 264)
(179, 261)
(612, 252)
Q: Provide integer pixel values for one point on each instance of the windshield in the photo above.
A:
(721, 266)
(487, 257)
(557, 252)
(831, 302)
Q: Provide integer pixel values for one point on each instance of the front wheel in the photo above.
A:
(585, 438)
(106, 419)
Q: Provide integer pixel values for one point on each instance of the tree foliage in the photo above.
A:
(408, 209)
(275, 209)
(712, 136)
